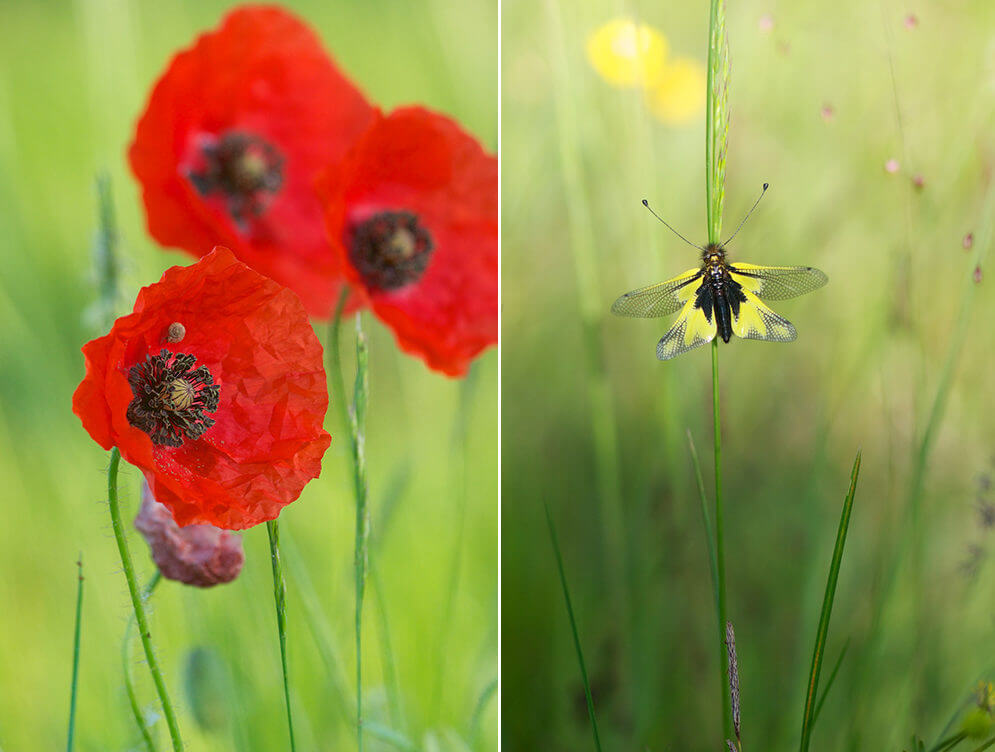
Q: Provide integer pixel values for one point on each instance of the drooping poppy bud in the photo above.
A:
(200, 555)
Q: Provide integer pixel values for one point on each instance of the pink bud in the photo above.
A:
(977, 275)
(200, 555)
(968, 241)
(918, 181)
(891, 166)
(911, 21)
(828, 113)
(766, 23)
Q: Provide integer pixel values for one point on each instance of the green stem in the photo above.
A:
(136, 600)
(985, 746)
(129, 680)
(949, 743)
(76, 635)
(280, 596)
(706, 520)
(355, 424)
(573, 626)
(335, 355)
(720, 557)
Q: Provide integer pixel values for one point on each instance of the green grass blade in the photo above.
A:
(706, 520)
(129, 679)
(818, 654)
(984, 746)
(573, 626)
(76, 634)
(829, 684)
(280, 598)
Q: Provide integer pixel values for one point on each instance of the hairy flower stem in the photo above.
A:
(129, 680)
(136, 600)
(280, 596)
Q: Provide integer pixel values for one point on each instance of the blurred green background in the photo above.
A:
(73, 80)
(582, 390)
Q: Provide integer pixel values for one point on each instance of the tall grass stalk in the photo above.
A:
(129, 679)
(280, 599)
(136, 600)
(716, 140)
(357, 422)
(76, 634)
(706, 520)
(818, 653)
(573, 626)
(354, 422)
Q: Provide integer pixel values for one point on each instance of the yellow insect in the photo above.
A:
(720, 297)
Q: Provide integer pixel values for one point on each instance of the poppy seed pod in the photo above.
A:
(201, 555)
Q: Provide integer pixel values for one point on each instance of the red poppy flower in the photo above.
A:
(413, 215)
(234, 134)
(214, 387)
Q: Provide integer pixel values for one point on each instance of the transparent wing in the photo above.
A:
(692, 329)
(756, 321)
(777, 282)
(660, 299)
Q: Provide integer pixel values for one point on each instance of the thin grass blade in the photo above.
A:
(76, 635)
(573, 626)
(818, 654)
(280, 597)
(829, 684)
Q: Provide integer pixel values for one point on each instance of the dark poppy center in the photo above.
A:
(391, 249)
(172, 398)
(242, 168)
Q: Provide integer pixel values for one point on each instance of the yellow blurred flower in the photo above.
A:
(679, 95)
(625, 53)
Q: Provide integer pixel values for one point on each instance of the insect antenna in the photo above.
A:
(695, 245)
(749, 213)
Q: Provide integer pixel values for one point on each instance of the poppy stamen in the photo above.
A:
(390, 249)
(246, 169)
(172, 398)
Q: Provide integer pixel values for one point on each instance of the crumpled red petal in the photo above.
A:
(254, 337)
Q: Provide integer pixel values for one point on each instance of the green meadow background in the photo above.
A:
(894, 356)
(74, 77)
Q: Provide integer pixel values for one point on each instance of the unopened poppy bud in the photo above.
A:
(200, 555)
